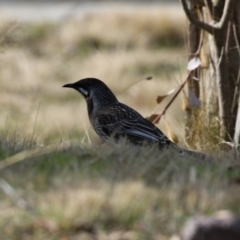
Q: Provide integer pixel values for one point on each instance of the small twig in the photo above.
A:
(209, 6)
(131, 84)
(237, 87)
(226, 14)
(220, 58)
(24, 155)
(157, 119)
(86, 132)
(35, 122)
(19, 201)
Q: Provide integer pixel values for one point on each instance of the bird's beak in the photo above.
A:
(69, 85)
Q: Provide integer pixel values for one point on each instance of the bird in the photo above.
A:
(112, 119)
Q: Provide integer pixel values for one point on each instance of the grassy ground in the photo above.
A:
(110, 192)
(80, 189)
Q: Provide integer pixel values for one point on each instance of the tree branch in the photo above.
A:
(157, 119)
(208, 28)
(209, 6)
(226, 14)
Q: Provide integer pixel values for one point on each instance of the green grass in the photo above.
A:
(103, 189)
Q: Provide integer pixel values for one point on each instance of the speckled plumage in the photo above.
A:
(118, 120)
(112, 119)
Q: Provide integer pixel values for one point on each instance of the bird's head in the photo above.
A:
(94, 91)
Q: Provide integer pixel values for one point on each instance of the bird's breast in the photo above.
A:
(97, 127)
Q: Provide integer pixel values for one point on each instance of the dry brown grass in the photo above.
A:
(117, 47)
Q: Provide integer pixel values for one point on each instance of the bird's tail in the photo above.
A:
(185, 152)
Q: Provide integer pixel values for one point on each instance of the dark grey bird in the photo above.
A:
(113, 119)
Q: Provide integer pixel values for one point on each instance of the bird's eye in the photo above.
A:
(84, 92)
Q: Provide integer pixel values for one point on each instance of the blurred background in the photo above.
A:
(45, 44)
(70, 191)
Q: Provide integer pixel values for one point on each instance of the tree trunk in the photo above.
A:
(237, 126)
(220, 19)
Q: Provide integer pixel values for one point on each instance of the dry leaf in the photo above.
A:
(160, 98)
(193, 64)
(153, 118)
(149, 78)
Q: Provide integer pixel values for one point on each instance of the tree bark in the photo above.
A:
(237, 126)
(220, 20)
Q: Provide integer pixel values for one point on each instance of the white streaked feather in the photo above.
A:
(142, 134)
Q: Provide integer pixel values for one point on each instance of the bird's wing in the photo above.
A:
(136, 130)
